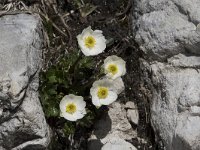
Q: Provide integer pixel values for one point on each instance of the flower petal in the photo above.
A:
(112, 92)
(69, 117)
(100, 42)
(78, 102)
(112, 96)
(119, 62)
(96, 101)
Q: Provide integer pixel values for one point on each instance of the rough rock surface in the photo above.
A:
(167, 27)
(175, 111)
(118, 144)
(132, 112)
(168, 32)
(22, 122)
(111, 126)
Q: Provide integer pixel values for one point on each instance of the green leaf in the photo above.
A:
(67, 77)
(52, 79)
(86, 62)
(52, 91)
(52, 112)
(69, 128)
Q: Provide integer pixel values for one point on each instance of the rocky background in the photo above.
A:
(159, 39)
(167, 31)
(22, 121)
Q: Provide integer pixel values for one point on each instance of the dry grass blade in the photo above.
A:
(126, 9)
(54, 25)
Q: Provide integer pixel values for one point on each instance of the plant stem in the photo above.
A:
(92, 80)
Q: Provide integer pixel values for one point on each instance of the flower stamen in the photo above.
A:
(112, 69)
(102, 92)
(90, 42)
(71, 108)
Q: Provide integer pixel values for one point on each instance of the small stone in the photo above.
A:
(1, 112)
(132, 112)
(130, 105)
(133, 116)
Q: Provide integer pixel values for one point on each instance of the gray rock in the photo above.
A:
(133, 116)
(132, 112)
(183, 61)
(168, 32)
(175, 111)
(164, 28)
(130, 105)
(22, 121)
(113, 125)
(118, 144)
(187, 136)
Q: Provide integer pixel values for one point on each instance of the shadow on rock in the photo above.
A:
(103, 126)
(95, 144)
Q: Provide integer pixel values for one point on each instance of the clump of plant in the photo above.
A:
(73, 91)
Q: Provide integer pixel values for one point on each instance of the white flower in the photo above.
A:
(103, 92)
(72, 107)
(114, 67)
(91, 42)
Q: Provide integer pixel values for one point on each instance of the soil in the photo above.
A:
(113, 17)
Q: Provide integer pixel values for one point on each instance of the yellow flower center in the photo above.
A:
(71, 108)
(90, 42)
(102, 92)
(112, 68)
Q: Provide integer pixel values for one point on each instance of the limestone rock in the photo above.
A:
(164, 28)
(183, 61)
(118, 144)
(167, 31)
(130, 105)
(132, 112)
(113, 125)
(22, 121)
(133, 116)
(175, 112)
